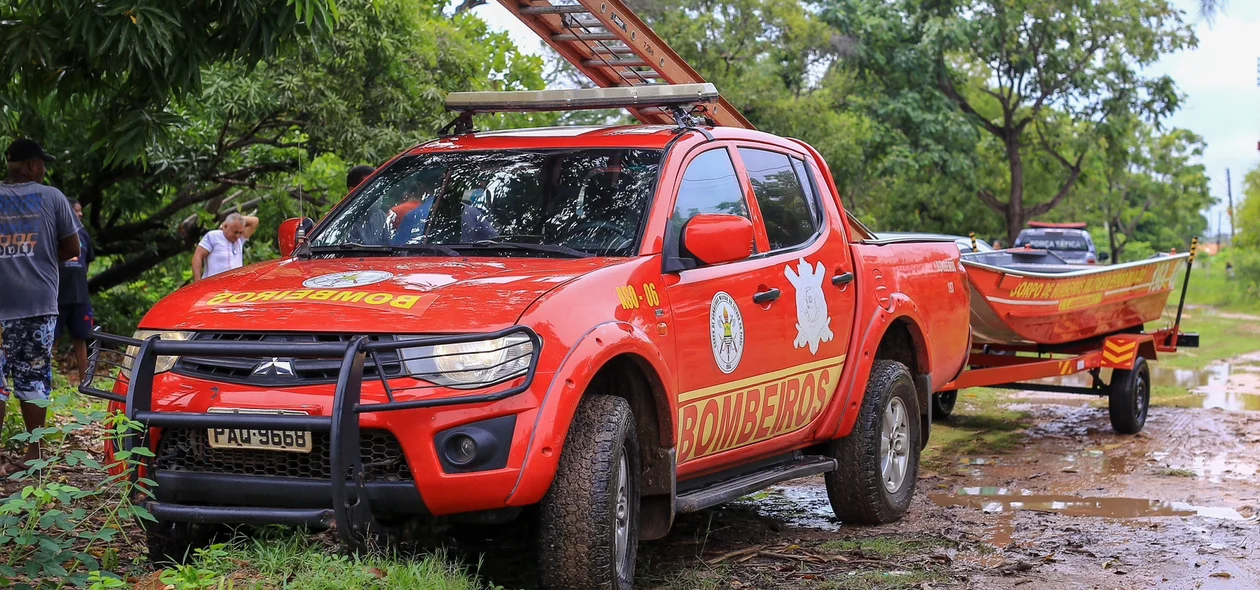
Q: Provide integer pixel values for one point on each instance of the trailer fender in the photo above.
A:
(593, 351)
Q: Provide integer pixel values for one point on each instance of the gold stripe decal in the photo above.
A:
(760, 379)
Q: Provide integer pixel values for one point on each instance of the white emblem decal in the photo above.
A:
(726, 332)
(813, 325)
(341, 280)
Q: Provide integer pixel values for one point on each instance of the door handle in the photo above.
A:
(843, 279)
(765, 297)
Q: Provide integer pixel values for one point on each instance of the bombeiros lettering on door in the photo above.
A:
(752, 410)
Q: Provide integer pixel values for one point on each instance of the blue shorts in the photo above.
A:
(26, 357)
(75, 318)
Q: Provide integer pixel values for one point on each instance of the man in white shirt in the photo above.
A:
(223, 249)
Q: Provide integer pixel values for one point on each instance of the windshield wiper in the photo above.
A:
(356, 247)
(545, 248)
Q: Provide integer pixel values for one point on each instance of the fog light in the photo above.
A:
(461, 449)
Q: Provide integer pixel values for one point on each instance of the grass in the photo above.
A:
(980, 425)
(882, 580)
(881, 547)
(1170, 472)
(299, 562)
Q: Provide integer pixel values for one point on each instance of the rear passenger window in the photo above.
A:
(709, 185)
(791, 217)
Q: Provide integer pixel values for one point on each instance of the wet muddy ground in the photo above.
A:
(1062, 503)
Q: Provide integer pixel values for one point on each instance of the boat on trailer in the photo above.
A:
(1033, 297)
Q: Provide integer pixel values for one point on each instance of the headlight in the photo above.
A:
(470, 364)
(164, 363)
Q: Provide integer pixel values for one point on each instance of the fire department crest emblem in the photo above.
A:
(813, 325)
(726, 332)
(341, 280)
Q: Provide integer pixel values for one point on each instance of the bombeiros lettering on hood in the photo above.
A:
(337, 289)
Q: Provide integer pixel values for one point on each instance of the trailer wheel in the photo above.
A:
(1129, 397)
(588, 529)
(879, 460)
(175, 542)
(943, 404)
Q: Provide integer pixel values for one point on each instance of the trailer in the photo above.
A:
(1039, 321)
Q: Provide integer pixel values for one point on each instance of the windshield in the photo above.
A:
(1053, 241)
(585, 201)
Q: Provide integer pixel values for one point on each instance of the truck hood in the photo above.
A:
(368, 295)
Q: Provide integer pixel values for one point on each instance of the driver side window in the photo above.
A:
(709, 185)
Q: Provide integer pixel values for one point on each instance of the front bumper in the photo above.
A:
(347, 503)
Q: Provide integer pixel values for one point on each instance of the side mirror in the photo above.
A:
(287, 235)
(716, 238)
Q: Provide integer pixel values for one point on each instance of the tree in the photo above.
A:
(776, 62)
(1058, 74)
(1160, 190)
(130, 59)
(274, 134)
(1247, 215)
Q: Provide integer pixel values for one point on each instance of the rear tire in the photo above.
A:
(943, 404)
(588, 529)
(1129, 397)
(879, 460)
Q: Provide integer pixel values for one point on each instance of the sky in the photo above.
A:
(1220, 80)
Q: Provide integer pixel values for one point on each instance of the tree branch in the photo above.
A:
(947, 88)
(992, 201)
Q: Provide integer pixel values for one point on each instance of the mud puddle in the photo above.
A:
(996, 500)
(1228, 385)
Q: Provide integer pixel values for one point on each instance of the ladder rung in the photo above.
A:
(612, 63)
(618, 50)
(586, 23)
(570, 37)
(641, 74)
(566, 9)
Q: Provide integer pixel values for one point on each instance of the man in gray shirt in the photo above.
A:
(37, 231)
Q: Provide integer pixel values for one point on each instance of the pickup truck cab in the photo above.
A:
(594, 327)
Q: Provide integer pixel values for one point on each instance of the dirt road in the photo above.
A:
(1060, 502)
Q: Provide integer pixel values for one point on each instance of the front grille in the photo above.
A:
(188, 449)
(280, 371)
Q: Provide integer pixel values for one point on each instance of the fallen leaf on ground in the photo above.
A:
(1225, 575)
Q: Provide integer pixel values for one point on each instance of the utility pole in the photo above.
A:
(1229, 190)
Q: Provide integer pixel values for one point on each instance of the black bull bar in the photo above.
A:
(350, 514)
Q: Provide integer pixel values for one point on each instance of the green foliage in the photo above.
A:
(270, 133)
(1246, 217)
(50, 529)
(131, 58)
(1045, 83)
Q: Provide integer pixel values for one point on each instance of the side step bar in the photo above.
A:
(725, 490)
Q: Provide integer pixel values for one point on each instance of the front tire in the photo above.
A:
(175, 542)
(1129, 397)
(588, 530)
(879, 460)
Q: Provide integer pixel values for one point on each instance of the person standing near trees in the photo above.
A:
(356, 176)
(38, 230)
(223, 249)
(74, 304)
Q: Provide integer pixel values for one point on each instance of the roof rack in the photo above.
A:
(612, 46)
(524, 101)
(680, 101)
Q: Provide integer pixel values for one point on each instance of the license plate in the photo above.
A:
(265, 440)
